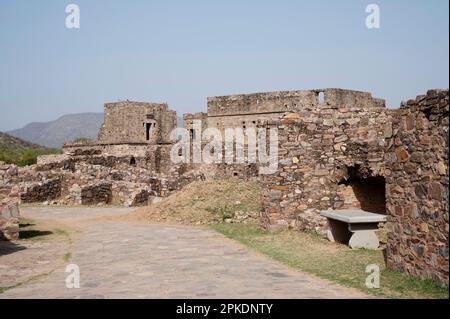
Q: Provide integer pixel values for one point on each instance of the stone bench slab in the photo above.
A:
(354, 227)
(354, 216)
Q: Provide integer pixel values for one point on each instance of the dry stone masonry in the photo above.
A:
(417, 187)
(330, 157)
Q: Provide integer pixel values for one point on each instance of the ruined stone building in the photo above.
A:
(130, 129)
(353, 155)
(251, 110)
(137, 123)
(337, 149)
(127, 165)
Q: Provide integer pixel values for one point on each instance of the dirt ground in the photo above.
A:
(43, 247)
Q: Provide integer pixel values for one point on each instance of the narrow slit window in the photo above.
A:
(148, 128)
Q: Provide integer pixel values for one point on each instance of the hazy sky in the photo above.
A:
(180, 52)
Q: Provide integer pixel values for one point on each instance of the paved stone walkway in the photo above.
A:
(130, 260)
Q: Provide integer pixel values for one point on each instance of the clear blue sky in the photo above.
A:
(180, 52)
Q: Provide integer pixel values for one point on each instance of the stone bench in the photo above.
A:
(354, 227)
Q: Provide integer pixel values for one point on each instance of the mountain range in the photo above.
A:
(64, 129)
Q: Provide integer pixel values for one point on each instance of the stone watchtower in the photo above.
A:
(137, 123)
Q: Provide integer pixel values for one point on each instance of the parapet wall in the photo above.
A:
(279, 102)
(250, 110)
(417, 182)
(247, 104)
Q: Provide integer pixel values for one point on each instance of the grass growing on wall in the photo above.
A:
(24, 156)
(335, 262)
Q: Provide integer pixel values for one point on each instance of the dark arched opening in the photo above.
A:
(357, 190)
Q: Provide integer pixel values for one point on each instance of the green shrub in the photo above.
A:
(24, 156)
(81, 140)
(228, 211)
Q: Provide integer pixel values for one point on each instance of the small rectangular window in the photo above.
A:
(321, 97)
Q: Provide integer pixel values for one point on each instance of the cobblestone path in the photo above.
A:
(130, 260)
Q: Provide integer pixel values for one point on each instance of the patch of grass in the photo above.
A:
(30, 229)
(67, 256)
(61, 232)
(28, 281)
(227, 211)
(313, 254)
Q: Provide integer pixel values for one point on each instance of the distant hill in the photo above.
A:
(8, 141)
(14, 150)
(66, 128)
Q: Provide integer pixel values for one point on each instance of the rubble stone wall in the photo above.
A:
(9, 203)
(326, 153)
(96, 148)
(77, 180)
(41, 191)
(99, 193)
(417, 184)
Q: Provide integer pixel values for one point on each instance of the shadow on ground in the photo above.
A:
(7, 247)
(23, 225)
(29, 234)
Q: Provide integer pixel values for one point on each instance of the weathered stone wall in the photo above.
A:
(326, 153)
(9, 203)
(249, 110)
(41, 191)
(417, 183)
(81, 179)
(97, 148)
(98, 193)
(130, 194)
(137, 122)
(188, 121)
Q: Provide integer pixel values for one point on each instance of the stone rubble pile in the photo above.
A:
(86, 180)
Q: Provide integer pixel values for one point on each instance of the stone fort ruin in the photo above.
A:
(337, 149)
